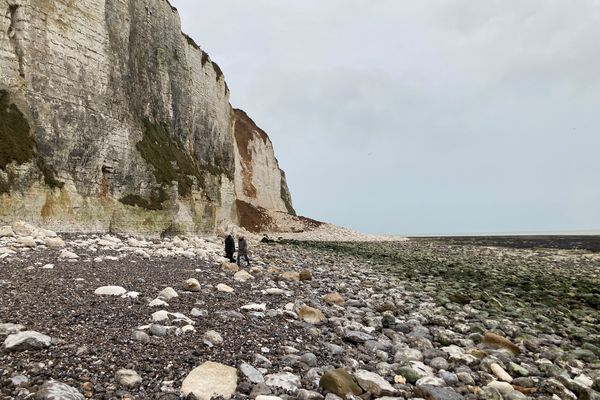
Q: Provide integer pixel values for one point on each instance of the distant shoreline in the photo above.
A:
(505, 234)
(562, 242)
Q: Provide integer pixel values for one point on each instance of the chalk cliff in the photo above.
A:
(112, 119)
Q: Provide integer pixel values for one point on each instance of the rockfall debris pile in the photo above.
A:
(107, 317)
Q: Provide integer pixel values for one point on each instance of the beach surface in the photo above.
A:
(422, 318)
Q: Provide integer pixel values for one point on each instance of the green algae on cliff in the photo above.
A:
(170, 161)
(15, 142)
(17, 145)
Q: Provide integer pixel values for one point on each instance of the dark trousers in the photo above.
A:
(245, 256)
(230, 256)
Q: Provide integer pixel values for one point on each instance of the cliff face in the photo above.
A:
(112, 119)
(258, 179)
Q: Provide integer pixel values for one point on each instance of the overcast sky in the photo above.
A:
(421, 117)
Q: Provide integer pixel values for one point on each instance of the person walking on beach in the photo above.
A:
(230, 248)
(242, 250)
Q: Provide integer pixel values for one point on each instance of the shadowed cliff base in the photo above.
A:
(252, 218)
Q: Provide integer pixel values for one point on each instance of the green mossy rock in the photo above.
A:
(409, 374)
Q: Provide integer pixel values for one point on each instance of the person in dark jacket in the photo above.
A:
(230, 248)
(242, 250)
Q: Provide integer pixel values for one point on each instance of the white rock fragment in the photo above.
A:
(158, 303)
(6, 231)
(27, 241)
(128, 378)
(242, 276)
(5, 251)
(210, 380)
(10, 329)
(54, 243)
(53, 390)
(254, 307)
(500, 373)
(160, 316)
(284, 380)
(188, 328)
(27, 340)
(192, 285)
(141, 253)
(213, 338)
(167, 293)
(373, 383)
(504, 388)
(274, 291)
(584, 380)
(110, 291)
(69, 255)
(221, 287)
(253, 375)
(21, 228)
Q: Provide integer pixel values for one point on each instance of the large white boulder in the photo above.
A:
(110, 291)
(210, 379)
(27, 340)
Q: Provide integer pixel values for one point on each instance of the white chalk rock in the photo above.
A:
(373, 383)
(221, 287)
(69, 255)
(254, 307)
(191, 285)
(110, 291)
(158, 303)
(160, 316)
(500, 373)
(167, 293)
(54, 242)
(128, 377)
(6, 231)
(21, 228)
(242, 276)
(210, 380)
(27, 241)
(27, 340)
(53, 390)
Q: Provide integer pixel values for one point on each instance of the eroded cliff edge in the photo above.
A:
(112, 119)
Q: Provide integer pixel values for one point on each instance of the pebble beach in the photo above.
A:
(119, 317)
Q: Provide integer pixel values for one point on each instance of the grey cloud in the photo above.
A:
(421, 117)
